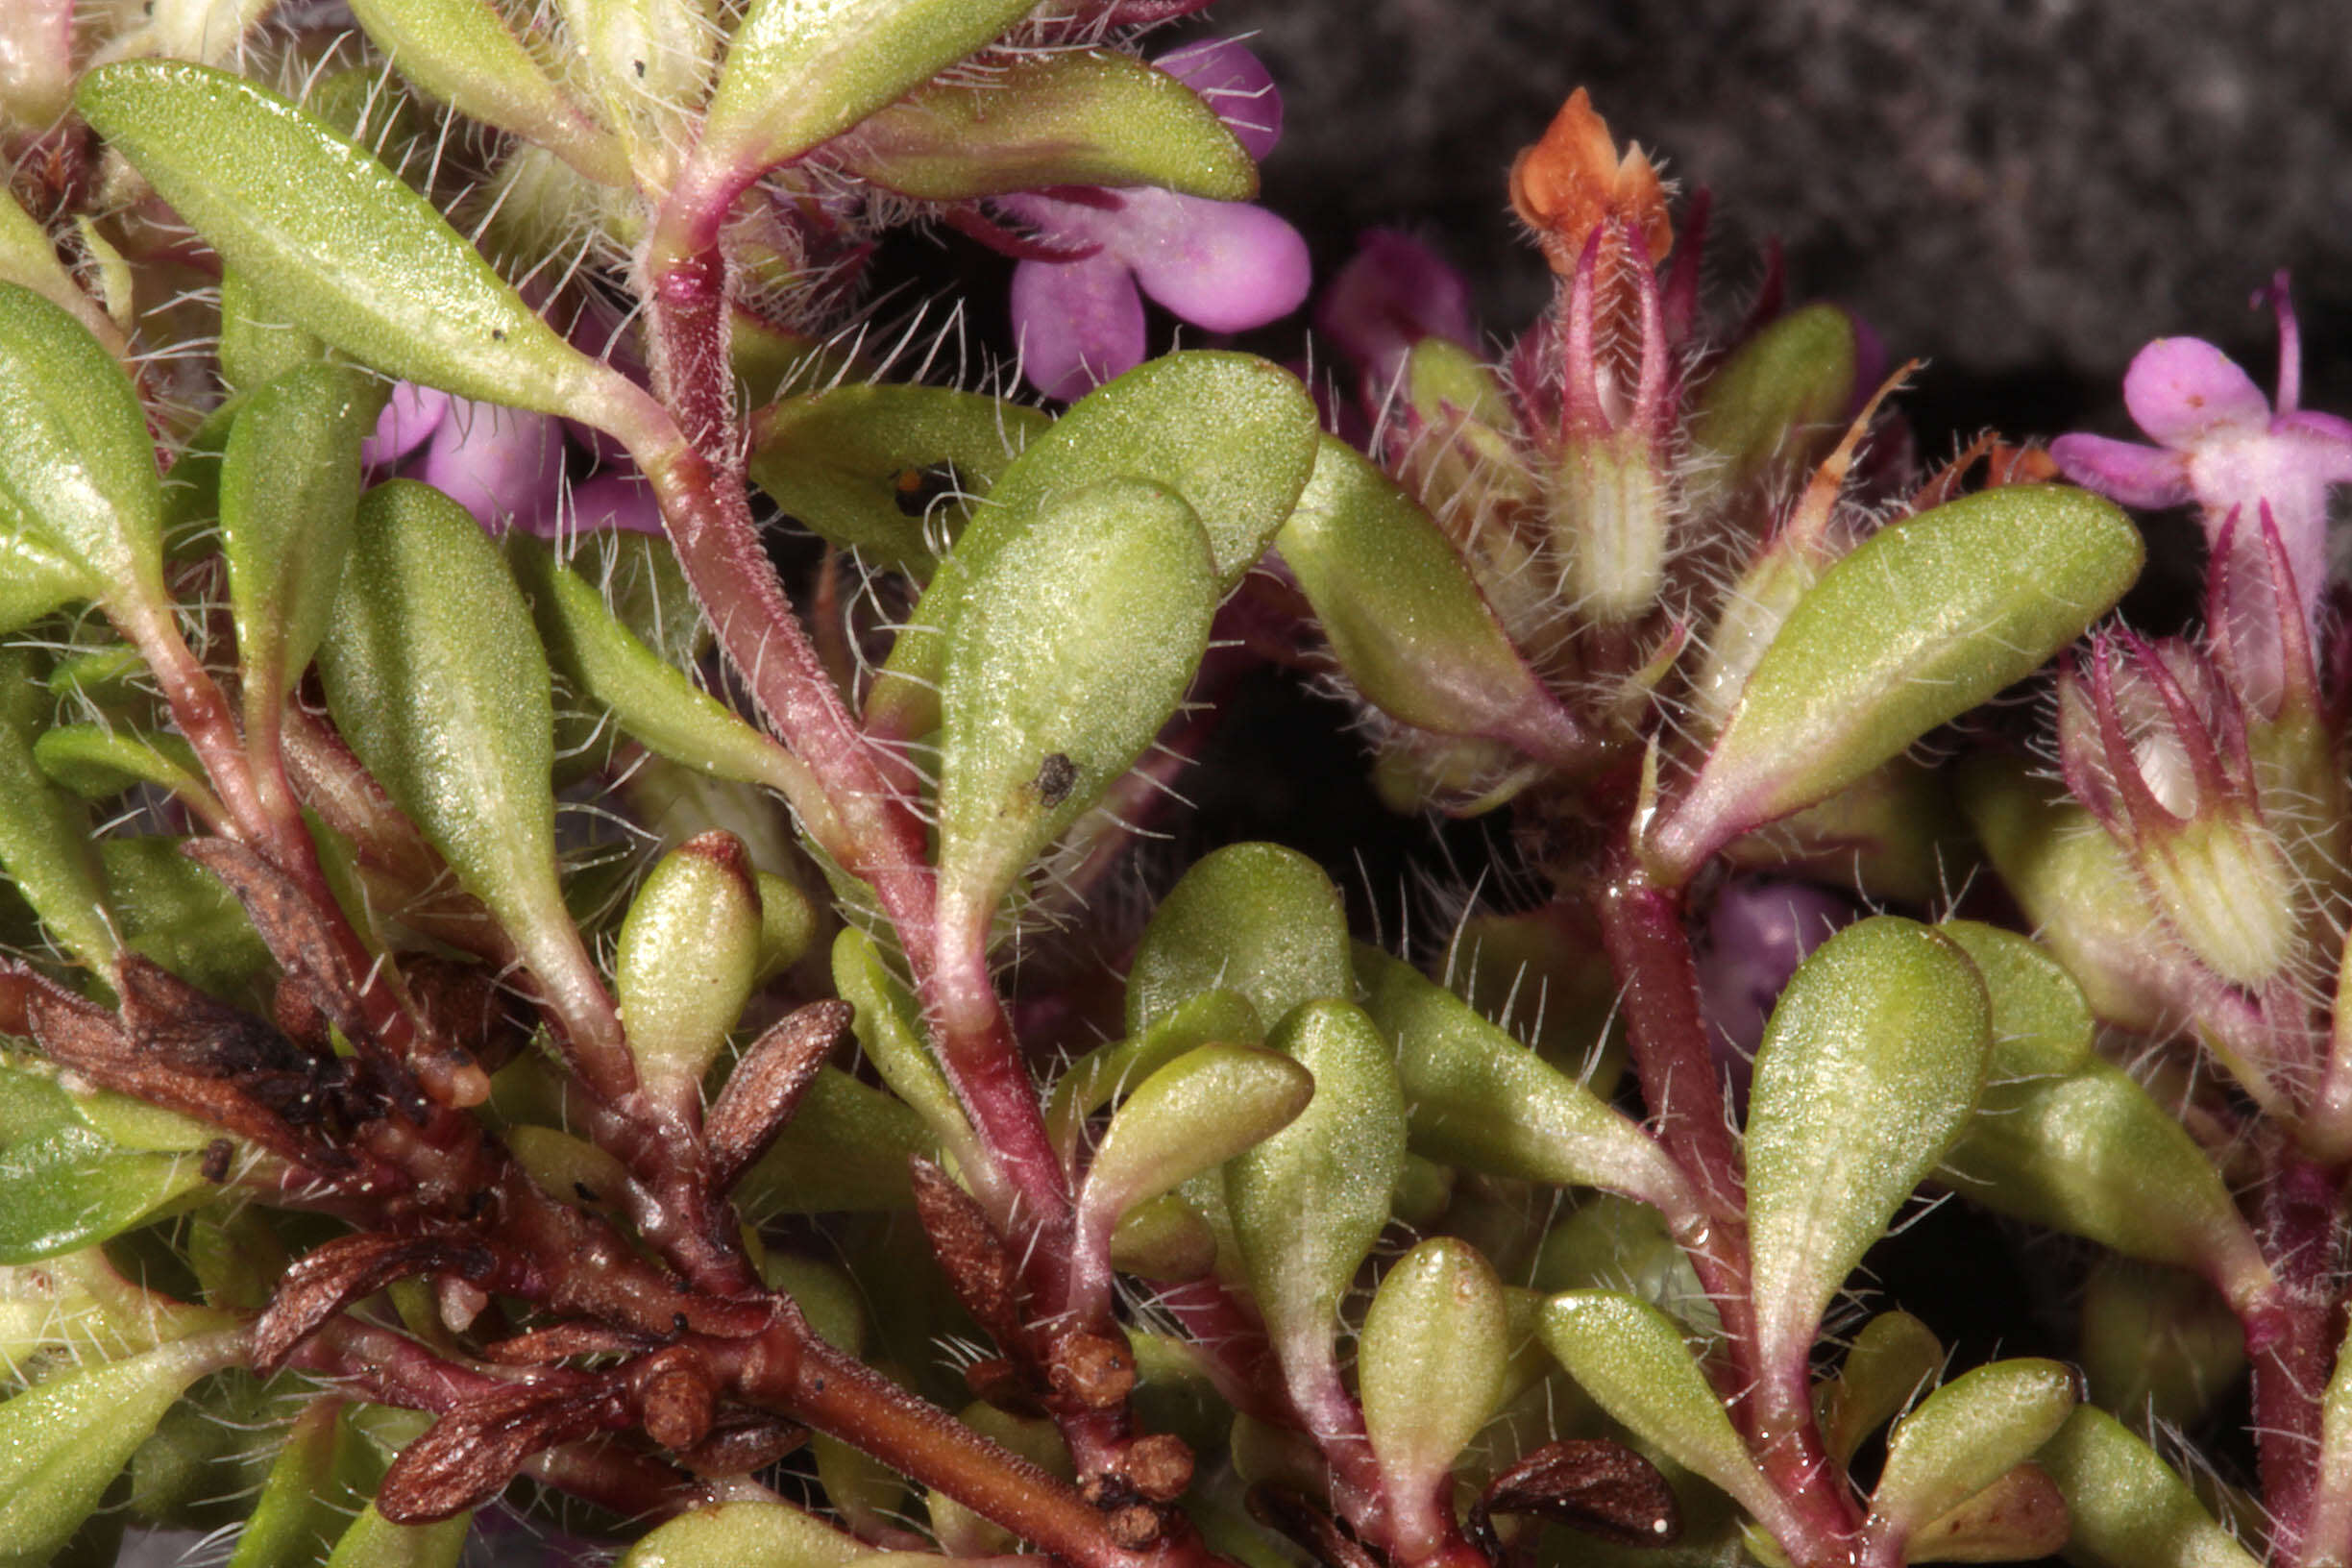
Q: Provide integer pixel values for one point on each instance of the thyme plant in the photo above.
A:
(522, 1015)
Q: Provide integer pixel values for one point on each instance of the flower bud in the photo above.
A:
(2156, 746)
(689, 951)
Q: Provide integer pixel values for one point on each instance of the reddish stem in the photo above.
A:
(1641, 930)
(2291, 1346)
(863, 820)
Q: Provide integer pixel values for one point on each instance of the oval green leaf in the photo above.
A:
(331, 240)
(1429, 1370)
(1923, 621)
(1873, 1059)
(1254, 919)
(1406, 618)
(289, 490)
(1079, 640)
(2130, 1508)
(1482, 1100)
(1963, 1438)
(1072, 117)
(1190, 1116)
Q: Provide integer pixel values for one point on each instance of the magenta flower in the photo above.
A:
(506, 466)
(2218, 442)
(1392, 293)
(1760, 929)
(1224, 266)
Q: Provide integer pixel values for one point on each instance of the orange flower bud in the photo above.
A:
(1572, 181)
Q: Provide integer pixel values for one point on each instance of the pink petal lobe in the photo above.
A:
(413, 413)
(617, 498)
(2180, 388)
(2123, 471)
(1392, 293)
(1078, 323)
(1226, 266)
(501, 464)
(1235, 84)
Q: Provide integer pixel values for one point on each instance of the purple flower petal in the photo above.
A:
(2179, 388)
(1226, 266)
(1233, 83)
(1758, 934)
(1392, 293)
(2123, 471)
(501, 464)
(413, 413)
(617, 499)
(1078, 323)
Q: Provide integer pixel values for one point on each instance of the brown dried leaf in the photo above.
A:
(293, 928)
(561, 1341)
(324, 1282)
(976, 1263)
(766, 1086)
(1601, 1487)
(741, 1443)
(469, 1455)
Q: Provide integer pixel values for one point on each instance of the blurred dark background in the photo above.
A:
(2022, 190)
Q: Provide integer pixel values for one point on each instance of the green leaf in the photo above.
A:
(1926, 618)
(648, 696)
(1873, 1059)
(463, 53)
(1406, 618)
(332, 241)
(374, 1541)
(175, 912)
(63, 1440)
(289, 493)
(1190, 1116)
(2130, 1508)
(1109, 1071)
(1963, 1438)
(1256, 918)
(1775, 402)
(63, 1186)
(852, 464)
(735, 1535)
(800, 72)
(890, 1031)
(76, 466)
(1071, 117)
(1482, 1100)
(435, 676)
(1429, 1370)
(35, 576)
(2041, 1024)
(293, 1522)
(1892, 1359)
(2090, 1153)
(256, 347)
(1233, 435)
(1309, 1202)
(98, 762)
(44, 831)
(1631, 1358)
(1079, 640)
(2074, 883)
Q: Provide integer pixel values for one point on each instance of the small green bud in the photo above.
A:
(689, 951)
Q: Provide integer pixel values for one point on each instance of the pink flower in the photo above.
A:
(2218, 442)
(1392, 293)
(506, 466)
(1225, 266)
